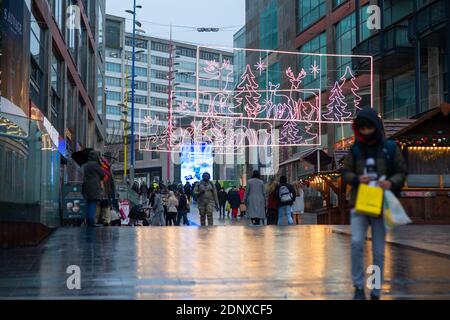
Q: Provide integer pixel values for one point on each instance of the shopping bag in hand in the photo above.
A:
(394, 213)
(369, 200)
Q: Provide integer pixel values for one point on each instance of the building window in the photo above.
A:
(159, 46)
(37, 56)
(160, 88)
(57, 11)
(113, 110)
(316, 45)
(268, 27)
(160, 61)
(187, 78)
(159, 74)
(364, 16)
(100, 35)
(142, 72)
(337, 3)
(112, 38)
(113, 125)
(396, 10)
(345, 42)
(100, 91)
(139, 57)
(209, 56)
(138, 155)
(137, 99)
(187, 65)
(186, 52)
(113, 67)
(138, 85)
(229, 59)
(56, 86)
(400, 96)
(155, 154)
(158, 102)
(115, 82)
(139, 43)
(309, 12)
(113, 95)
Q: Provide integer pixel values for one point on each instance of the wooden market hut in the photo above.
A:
(426, 147)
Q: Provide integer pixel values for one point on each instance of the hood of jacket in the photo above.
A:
(370, 115)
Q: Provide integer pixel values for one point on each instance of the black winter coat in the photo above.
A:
(93, 175)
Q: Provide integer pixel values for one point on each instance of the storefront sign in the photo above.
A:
(418, 194)
(74, 203)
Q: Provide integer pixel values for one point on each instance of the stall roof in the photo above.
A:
(444, 109)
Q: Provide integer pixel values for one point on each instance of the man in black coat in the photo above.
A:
(92, 185)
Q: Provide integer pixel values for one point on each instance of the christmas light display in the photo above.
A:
(254, 109)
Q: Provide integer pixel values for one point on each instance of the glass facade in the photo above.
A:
(345, 42)
(394, 10)
(309, 12)
(268, 26)
(316, 45)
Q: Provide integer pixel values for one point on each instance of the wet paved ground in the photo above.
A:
(236, 262)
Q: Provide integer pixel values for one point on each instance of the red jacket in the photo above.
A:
(242, 194)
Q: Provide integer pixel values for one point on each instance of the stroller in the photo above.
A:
(137, 214)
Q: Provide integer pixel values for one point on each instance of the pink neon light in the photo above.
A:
(315, 69)
(260, 66)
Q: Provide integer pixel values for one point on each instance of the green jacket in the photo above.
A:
(352, 170)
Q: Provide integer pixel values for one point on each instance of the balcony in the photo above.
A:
(387, 45)
(428, 19)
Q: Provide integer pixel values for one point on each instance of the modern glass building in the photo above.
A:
(410, 51)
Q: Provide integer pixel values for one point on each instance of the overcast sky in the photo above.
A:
(156, 16)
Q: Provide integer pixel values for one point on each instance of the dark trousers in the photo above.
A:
(272, 216)
(171, 218)
(222, 209)
(182, 215)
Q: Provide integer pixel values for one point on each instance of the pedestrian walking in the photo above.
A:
(207, 199)
(286, 197)
(272, 202)
(255, 199)
(158, 209)
(165, 199)
(109, 201)
(183, 209)
(218, 186)
(172, 209)
(298, 208)
(92, 187)
(370, 159)
(242, 207)
(188, 191)
(222, 202)
(235, 201)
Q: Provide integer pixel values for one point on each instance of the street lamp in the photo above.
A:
(133, 12)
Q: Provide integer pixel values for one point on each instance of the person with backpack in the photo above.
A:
(286, 197)
(183, 209)
(255, 199)
(188, 191)
(371, 159)
(207, 199)
(235, 201)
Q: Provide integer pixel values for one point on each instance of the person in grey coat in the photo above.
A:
(158, 210)
(255, 199)
(92, 188)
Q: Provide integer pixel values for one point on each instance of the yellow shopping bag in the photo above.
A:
(369, 200)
